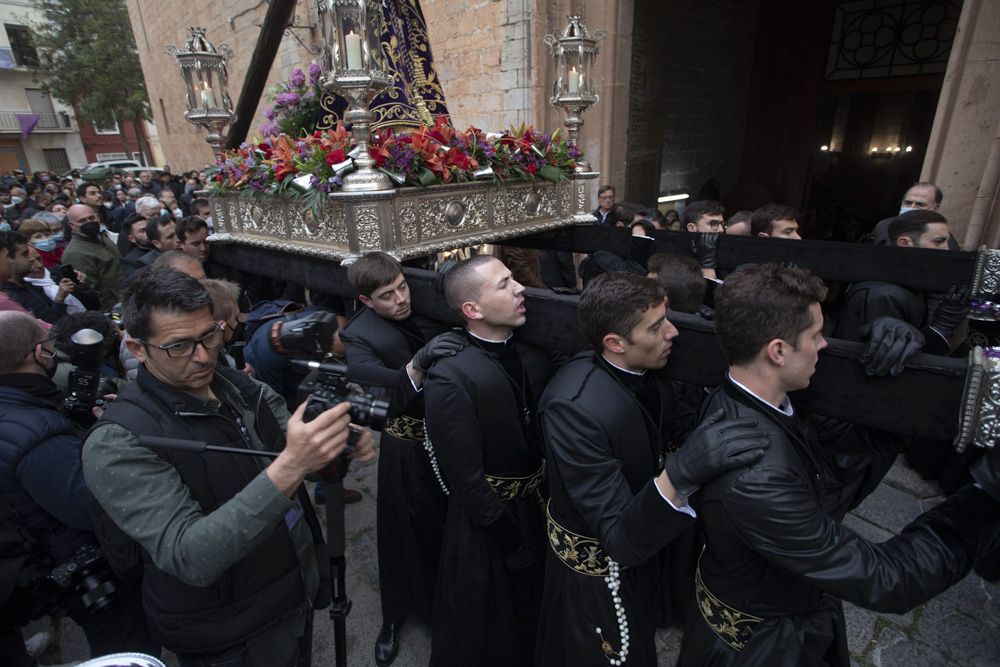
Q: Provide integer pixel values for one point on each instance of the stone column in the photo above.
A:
(963, 155)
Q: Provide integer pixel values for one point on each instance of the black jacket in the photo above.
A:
(603, 449)
(776, 549)
(868, 300)
(34, 300)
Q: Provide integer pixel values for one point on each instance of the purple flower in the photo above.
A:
(314, 72)
(269, 113)
(287, 100)
(298, 78)
(269, 130)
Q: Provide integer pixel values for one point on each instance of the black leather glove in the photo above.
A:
(447, 344)
(891, 343)
(986, 472)
(705, 248)
(713, 449)
(952, 311)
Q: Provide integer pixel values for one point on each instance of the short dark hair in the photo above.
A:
(461, 283)
(172, 258)
(373, 270)
(155, 224)
(738, 217)
(130, 220)
(681, 279)
(696, 209)
(81, 189)
(189, 225)
(913, 223)
(167, 290)
(199, 202)
(938, 195)
(10, 240)
(765, 216)
(614, 303)
(20, 333)
(762, 302)
(604, 188)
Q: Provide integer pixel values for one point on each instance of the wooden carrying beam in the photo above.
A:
(925, 400)
(279, 12)
(925, 270)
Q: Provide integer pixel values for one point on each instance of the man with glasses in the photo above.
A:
(227, 542)
(42, 492)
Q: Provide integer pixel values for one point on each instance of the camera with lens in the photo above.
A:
(87, 572)
(86, 386)
(326, 386)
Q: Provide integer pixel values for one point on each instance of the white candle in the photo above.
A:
(353, 43)
(574, 81)
(207, 96)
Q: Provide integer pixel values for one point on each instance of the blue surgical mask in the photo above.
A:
(904, 209)
(15, 200)
(4, 226)
(45, 245)
(164, 211)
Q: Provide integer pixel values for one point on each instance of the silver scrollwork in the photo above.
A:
(979, 420)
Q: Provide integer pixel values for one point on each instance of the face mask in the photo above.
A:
(164, 211)
(45, 179)
(50, 368)
(4, 226)
(15, 200)
(178, 214)
(107, 204)
(904, 209)
(91, 229)
(45, 245)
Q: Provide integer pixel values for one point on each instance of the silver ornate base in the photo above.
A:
(407, 222)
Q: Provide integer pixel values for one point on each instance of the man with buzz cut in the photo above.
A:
(778, 561)
(480, 411)
(387, 348)
(608, 424)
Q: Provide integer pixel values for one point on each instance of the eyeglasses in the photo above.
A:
(45, 353)
(185, 348)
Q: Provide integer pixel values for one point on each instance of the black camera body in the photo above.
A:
(86, 386)
(327, 385)
(87, 572)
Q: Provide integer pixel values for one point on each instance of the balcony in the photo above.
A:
(47, 122)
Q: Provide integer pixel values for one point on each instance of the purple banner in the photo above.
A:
(27, 121)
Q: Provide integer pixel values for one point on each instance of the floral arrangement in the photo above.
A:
(295, 104)
(310, 167)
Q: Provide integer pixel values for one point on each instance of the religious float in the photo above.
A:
(297, 206)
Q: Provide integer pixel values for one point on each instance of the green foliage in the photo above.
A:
(89, 59)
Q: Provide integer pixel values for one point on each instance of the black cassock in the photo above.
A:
(605, 432)
(778, 561)
(480, 417)
(410, 506)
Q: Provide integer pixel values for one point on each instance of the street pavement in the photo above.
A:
(959, 627)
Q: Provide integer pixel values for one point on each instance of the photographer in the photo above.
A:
(228, 544)
(43, 504)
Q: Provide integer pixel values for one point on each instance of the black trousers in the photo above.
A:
(287, 644)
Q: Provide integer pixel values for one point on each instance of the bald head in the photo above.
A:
(20, 333)
(79, 214)
(178, 260)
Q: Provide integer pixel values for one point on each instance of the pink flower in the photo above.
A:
(298, 78)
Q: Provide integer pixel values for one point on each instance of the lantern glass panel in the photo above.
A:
(573, 68)
(352, 38)
(328, 28)
(189, 83)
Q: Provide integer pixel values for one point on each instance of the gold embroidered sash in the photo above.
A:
(508, 488)
(578, 552)
(732, 626)
(405, 428)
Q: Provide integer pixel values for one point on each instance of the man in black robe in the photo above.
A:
(480, 416)
(386, 348)
(777, 560)
(607, 423)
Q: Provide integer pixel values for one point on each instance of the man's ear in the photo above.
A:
(136, 349)
(775, 351)
(691, 227)
(366, 300)
(904, 242)
(614, 343)
(471, 311)
(764, 235)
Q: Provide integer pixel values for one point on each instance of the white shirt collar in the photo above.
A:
(623, 370)
(786, 405)
(488, 340)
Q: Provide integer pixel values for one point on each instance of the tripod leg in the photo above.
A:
(340, 605)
